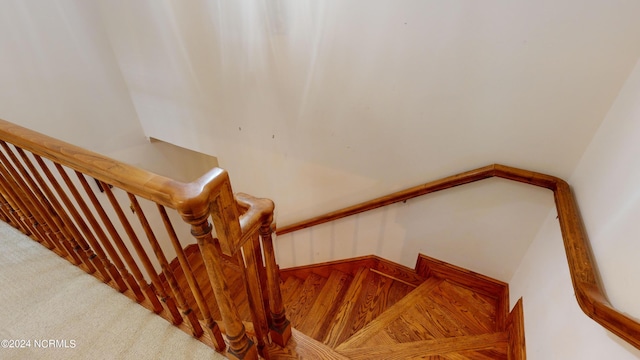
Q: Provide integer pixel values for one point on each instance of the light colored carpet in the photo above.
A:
(44, 297)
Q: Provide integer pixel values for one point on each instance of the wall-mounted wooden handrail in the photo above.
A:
(588, 290)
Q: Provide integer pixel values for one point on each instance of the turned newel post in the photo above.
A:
(240, 346)
(216, 201)
(280, 328)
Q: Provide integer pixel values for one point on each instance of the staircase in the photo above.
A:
(371, 308)
(73, 202)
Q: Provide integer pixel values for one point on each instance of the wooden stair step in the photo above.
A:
(377, 309)
(436, 309)
(301, 346)
(326, 305)
(342, 326)
(463, 347)
(380, 324)
(299, 308)
(471, 311)
(290, 287)
(369, 296)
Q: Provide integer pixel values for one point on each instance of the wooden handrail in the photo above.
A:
(209, 199)
(588, 289)
(162, 190)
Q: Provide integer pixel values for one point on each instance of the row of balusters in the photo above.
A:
(34, 201)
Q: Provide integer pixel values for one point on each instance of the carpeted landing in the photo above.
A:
(50, 309)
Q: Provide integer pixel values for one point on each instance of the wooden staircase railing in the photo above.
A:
(47, 191)
(588, 290)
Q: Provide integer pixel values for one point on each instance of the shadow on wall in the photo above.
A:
(485, 226)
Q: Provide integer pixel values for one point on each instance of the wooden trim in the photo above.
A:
(192, 200)
(377, 264)
(449, 182)
(481, 284)
(589, 292)
(427, 348)
(210, 196)
(162, 190)
(515, 330)
(428, 266)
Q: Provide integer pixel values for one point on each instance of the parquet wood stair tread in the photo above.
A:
(449, 348)
(302, 346)
(326, 305)
(299, 308)
(428, 312)
(369, 308)
(341, 325)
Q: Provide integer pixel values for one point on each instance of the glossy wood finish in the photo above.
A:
(589, 292)
(115, 237)
(95, 226)
(212, 195)
(366, 313)
(515, 330)
(76, 232)
(436, 309)
(146, 288)
(280, 327)
(187, 272)
(164, 265)
(449, 348)
(28, 193)
(337, 308)
(105, 264)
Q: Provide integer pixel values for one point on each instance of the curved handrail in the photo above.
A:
(588, 289)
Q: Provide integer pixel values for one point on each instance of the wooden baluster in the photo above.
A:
(11, 190)
(88, 257)
(142, 255)
(196, 328)
(40, 202)
(280, 326)
(27, 195)
(22, 196)
(164, 264)
(55, 211)
(108, 266)
(15, 209)
(253, 286)
(211, 325)
(122, 248)
(113, 271)
(7, 212)
(240, 346)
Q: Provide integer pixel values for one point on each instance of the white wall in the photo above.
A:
(58, 75)
(607, 187)
(485, 227)
(319, 105)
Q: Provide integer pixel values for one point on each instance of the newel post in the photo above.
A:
(280, 327)
(225, 217)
